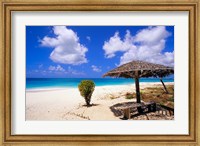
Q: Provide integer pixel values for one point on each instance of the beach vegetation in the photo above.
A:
(158, 95)
(130, 95)
(113, 97)
(86, 88)
(171, 99)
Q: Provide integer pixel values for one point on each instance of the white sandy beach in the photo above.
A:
(67, 104)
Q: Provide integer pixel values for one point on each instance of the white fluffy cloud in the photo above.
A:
(56, 68)
(116, 44)
(67, 48)
(95, 68)
(146, 45)
(59, 69)
(152, 35)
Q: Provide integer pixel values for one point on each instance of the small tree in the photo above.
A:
(86, 88)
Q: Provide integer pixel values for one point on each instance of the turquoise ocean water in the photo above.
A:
(51, 83)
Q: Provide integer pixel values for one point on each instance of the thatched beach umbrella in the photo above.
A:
(138, 69)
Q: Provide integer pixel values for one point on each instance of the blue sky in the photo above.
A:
(91, 51)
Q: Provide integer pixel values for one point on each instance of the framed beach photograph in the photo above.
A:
(62, 68)
(101, 72)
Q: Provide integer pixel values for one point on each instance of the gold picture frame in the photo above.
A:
(192, 6)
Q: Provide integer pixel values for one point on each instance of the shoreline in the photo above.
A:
(64, 88)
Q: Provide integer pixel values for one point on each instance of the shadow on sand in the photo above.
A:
(93, 104)
(116, 109)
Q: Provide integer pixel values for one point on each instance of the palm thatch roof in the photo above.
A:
(143, 69)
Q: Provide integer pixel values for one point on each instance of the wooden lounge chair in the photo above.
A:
(150, 106)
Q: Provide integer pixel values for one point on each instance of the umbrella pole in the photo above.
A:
(137, 87)
(164, 86)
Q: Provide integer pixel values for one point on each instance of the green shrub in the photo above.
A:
(86, 88)
(129, 96)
